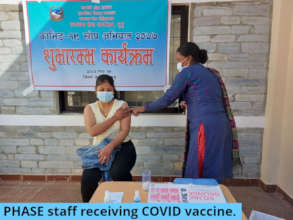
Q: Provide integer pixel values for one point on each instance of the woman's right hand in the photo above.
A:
(122, 112)
(137, 110)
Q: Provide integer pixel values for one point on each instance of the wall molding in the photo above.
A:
(276, 188)
(77, 178)
(205, 1)
(144, 120)
(16, 2)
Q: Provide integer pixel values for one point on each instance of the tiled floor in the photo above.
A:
(250, 197)
(39, 192)
(254, 198)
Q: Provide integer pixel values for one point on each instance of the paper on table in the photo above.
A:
(205, 194)
(165, 193)
(185, 193)
(256, 215)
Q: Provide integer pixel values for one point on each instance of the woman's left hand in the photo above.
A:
(104, 154)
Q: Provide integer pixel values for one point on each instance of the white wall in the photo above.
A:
(278, 139)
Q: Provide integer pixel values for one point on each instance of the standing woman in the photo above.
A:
(210, 139)
(108, 117)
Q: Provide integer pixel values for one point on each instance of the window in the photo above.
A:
(75, 101)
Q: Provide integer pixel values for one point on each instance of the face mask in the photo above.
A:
(180, 67)
(105, 96)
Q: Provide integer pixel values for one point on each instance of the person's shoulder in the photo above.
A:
(196, 68)
(120, 102)
(90, 106)
(187, 71)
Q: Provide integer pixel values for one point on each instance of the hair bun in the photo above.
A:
(192, 49)
(203, 56)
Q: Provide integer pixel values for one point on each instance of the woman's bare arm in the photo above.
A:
(124, 130)
(105, 153)
(90, 122)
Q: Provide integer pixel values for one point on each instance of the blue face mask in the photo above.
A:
(105, 96)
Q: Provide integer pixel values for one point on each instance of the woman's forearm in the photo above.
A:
(119, 138)
(160, 103)
(175, 91)
(100, 128)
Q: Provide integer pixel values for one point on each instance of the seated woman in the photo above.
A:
(108, 117)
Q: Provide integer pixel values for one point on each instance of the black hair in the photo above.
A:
(192, 49)
(106, 78)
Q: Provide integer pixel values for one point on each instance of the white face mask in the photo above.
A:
(180, 67)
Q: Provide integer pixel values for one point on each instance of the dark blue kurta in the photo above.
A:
(210, 148)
